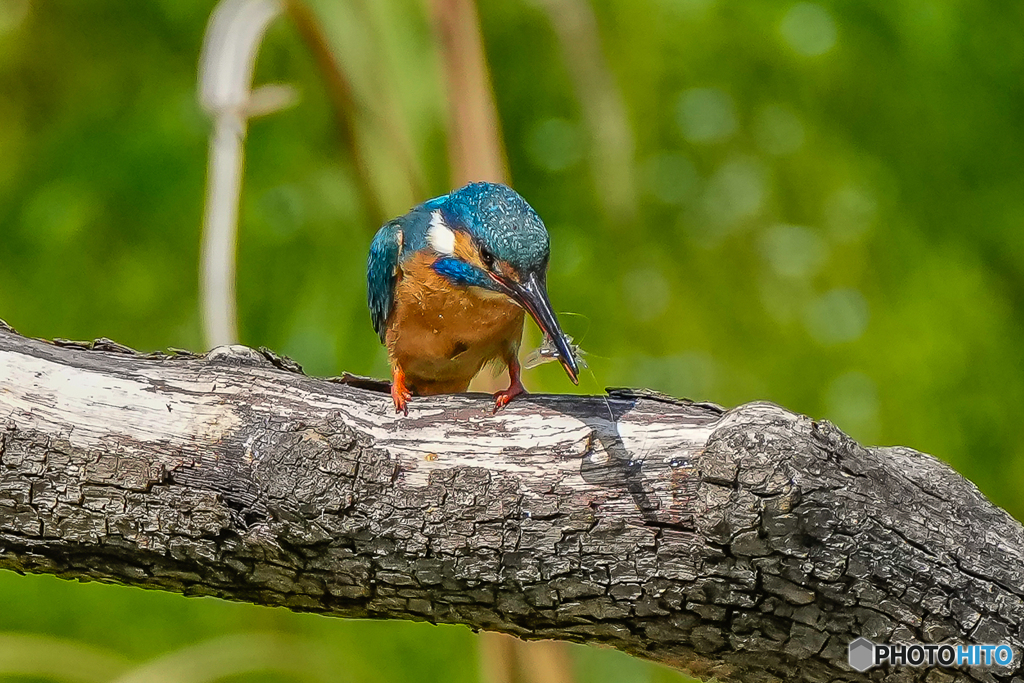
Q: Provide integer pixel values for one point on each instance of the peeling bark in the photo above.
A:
(749, 545)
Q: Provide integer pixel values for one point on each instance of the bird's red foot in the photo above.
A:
(400, 393)
(503, 398)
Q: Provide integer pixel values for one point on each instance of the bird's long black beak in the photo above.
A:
(532, 294)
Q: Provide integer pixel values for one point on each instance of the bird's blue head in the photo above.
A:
(487, 236)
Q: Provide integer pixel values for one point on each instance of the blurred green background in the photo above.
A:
(818, 204)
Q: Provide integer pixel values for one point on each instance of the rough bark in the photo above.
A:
(749, 545)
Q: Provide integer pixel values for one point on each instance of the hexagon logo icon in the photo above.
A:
(862, 654)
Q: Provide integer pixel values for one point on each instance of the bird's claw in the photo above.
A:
(503, 398)
(400, 394)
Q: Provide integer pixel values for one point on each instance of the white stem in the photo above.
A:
(232, 40)
(224, 184)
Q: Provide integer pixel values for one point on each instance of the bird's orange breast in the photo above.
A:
(442, 335)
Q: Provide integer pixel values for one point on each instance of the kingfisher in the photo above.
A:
(449, 285)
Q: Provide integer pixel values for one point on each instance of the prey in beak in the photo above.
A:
(531, 293)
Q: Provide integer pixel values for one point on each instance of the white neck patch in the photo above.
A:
(439, 235)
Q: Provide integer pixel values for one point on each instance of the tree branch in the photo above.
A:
(751, 544)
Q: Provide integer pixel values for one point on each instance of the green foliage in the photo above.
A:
(827, 215)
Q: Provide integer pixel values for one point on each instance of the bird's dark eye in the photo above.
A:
(487, 258)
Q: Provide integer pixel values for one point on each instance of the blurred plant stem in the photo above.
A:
(546, 661)
(340, 91)
(387, 108)
(475, 149)
(497, 657)
(226, 65)
(43, 657)
(604, 113)
(233, 656)
(506, 659)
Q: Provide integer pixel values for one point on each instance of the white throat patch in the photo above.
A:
(440, 236)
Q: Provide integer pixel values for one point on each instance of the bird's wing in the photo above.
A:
(382, 274)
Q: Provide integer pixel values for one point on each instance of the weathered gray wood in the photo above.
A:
(749, 545)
